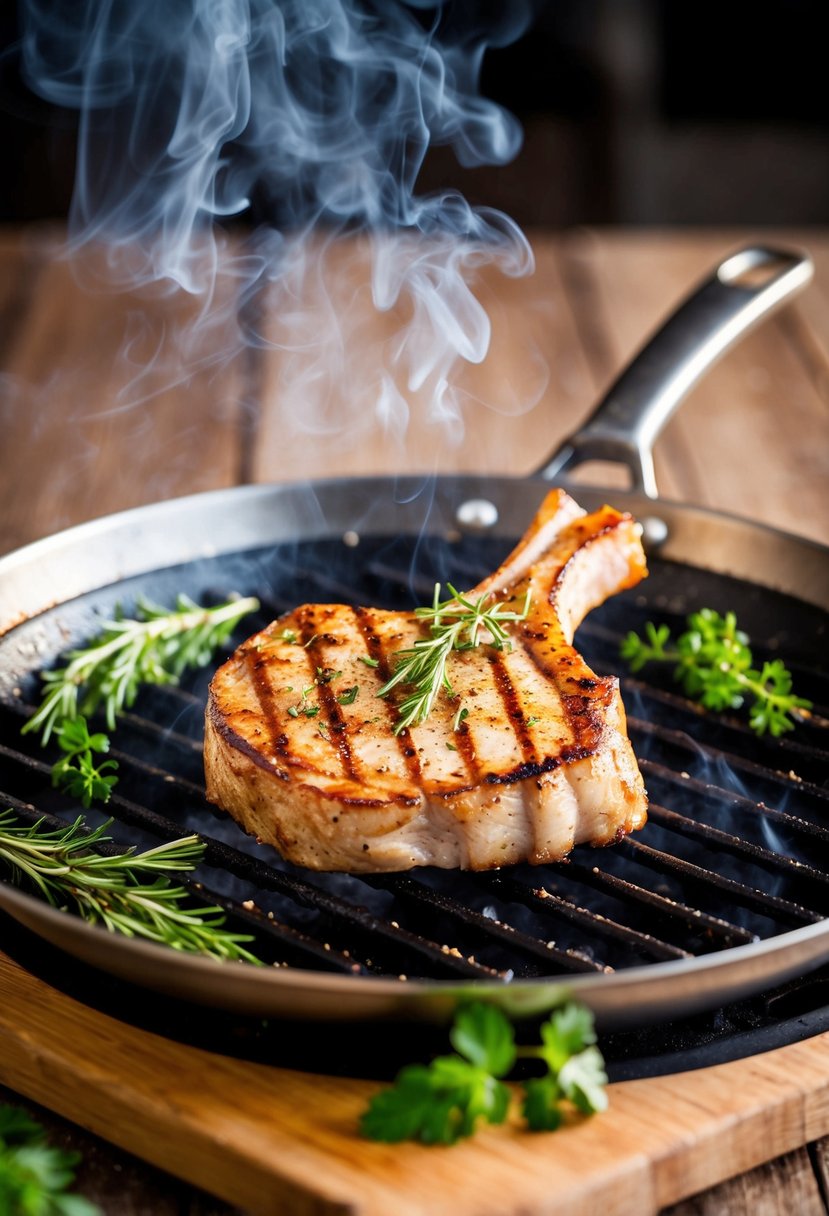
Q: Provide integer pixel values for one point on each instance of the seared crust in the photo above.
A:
(542, 761)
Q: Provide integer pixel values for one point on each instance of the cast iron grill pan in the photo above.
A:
(736, 849)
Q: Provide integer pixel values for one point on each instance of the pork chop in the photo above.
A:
(303, 753)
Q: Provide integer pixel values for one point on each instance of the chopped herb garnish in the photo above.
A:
(326, 674)
(531, 721)
(460, 718)
(349, 696)
(369, 661)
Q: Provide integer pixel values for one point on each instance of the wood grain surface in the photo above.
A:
(99, 412)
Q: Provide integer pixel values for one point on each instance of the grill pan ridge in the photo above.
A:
(725, 890)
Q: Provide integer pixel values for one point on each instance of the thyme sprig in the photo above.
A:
(154, 648)
(714, 664)
(127, 892)
(457, 623)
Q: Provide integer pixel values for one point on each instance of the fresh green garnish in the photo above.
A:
(715, 666)
(349, 696)
(369, 661)
(455, 624)
(34, 1177)
(155, 648)
(117, 890)
(76, 771)
(440, 1102)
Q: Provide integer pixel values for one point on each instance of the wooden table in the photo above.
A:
(90, 425)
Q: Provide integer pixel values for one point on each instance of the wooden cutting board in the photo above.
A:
(274, 1140)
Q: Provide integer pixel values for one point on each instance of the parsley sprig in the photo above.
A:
(457, 623)
(127, 892)
(35, 1177)
(76, 771)
(445, 1100)
(715, 666)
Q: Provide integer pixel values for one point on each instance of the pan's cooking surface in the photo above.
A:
(736, 849)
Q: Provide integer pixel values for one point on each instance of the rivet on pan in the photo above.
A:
(351, 539)
(654, 532)
(477, 514)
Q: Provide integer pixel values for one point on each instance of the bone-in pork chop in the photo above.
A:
(303, 753)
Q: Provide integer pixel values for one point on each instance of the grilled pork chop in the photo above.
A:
(303, 754)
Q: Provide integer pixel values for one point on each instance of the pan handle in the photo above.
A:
(623, 427)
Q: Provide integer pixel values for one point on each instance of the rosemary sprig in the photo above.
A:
(110, 889)
(714, 664)
(155, 648)
(457, 623)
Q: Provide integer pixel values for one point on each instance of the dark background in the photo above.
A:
(634, 112)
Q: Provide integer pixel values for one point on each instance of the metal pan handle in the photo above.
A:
(742, 290)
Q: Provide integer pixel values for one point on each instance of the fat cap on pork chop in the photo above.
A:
(540, 763)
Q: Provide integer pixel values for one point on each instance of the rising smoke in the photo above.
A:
(312, 118)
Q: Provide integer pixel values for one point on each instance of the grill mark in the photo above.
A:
(466, 750)
(512, 707)
(373, 645)
(405, 746)
(257, 667)
(335, 725)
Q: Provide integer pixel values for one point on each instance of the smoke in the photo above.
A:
(312, 119)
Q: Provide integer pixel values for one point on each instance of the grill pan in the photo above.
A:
(725, 892)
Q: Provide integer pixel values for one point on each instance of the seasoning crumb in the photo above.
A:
(249, 904)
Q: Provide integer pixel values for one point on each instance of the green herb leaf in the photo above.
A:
(369, 661)
(583, 1080)
(565, 1033)
(436, 1104)
(483, 1034)
(542, 1104)
(349, 696)
(714, 664)
(34, 1177)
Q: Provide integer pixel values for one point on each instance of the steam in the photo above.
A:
(313, 117)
